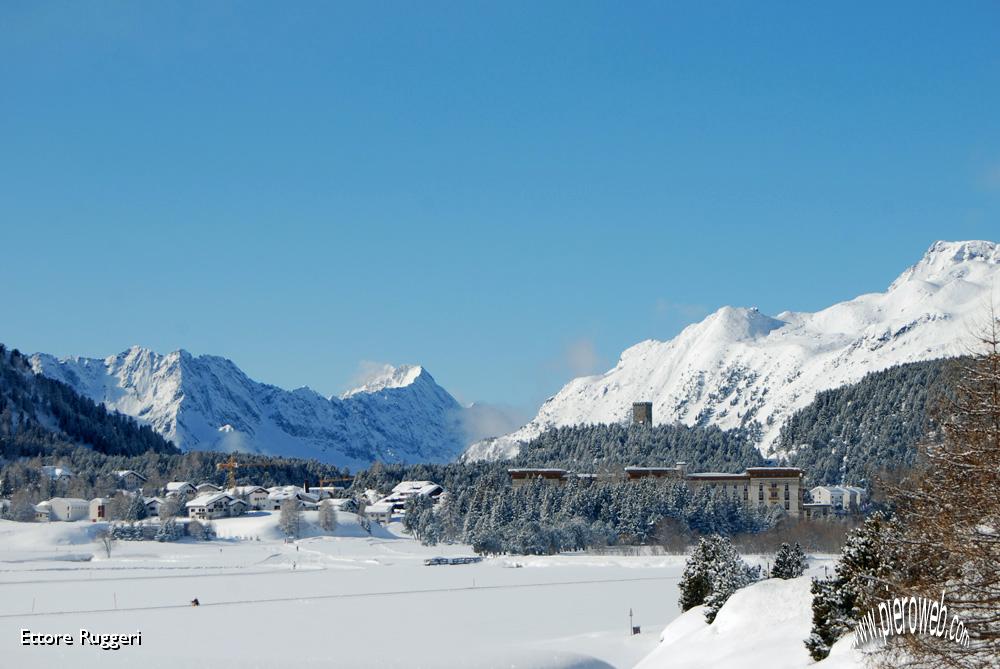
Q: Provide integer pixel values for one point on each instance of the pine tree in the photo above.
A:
(713, 572)
(790, 562)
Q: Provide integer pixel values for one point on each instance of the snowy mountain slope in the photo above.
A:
(739, 366)
(207, 403)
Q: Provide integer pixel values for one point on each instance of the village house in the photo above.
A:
(153, 505)
(209, 507)
(57, 473)
(237, 507)
(64, 508)
(841, 498)
(178, 488)
(207, 487)
(380, 512)
(99, 509)
(277, 495)
(255, 496)
(43, 512)
(395, 502)
(129, 479)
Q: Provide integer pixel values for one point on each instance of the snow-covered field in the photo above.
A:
(349, 600)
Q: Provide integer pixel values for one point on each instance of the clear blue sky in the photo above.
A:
(507, 193)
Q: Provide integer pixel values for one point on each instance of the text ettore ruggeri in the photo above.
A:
(84, 638)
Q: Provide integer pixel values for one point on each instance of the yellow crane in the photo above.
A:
(232, 466)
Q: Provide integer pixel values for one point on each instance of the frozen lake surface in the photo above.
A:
(350, 600)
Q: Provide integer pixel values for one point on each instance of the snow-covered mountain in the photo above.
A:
(739, 365)
(207, 403)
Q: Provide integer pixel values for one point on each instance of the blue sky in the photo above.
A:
(507, 193)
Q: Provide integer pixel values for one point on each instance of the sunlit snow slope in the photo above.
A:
(739, 366)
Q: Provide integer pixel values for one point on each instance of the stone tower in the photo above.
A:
(642, 413)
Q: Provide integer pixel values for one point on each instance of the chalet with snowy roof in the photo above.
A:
(279, 495)
(380, 512)
(207, 487)
(99, 509)
(237, 507)
(57, 473)
(178, 488)
(255, 496)
(153, 505)
(129, 479)
(209, 507)
(43, 512)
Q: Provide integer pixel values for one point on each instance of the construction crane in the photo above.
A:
(232, 466)
(337, 479)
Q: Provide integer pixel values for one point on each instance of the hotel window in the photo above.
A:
(786, 492)
(746, 493)
(760, 492)
(786, 505)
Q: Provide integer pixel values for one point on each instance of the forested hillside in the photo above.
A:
(849, 434)
(584, 447)
(40, 416)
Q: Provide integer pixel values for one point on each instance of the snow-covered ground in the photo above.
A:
(763, 625)
(349, 600)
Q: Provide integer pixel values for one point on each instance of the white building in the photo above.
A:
(207, 507)
(67, 508)
(840, 498)
(100, 509)
(394, 503)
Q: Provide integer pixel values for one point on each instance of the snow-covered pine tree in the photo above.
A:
(713, 572)
(135, 508)
(867, 559)
(790, 562)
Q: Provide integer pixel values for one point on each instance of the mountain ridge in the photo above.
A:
(207, 402)
(741, 368)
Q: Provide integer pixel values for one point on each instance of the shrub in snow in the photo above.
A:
(713, 572)
(790, 562)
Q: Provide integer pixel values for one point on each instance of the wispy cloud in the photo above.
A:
(368, 371)
(581, 358)
(687, 312)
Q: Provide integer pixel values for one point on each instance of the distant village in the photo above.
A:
(761, 487)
